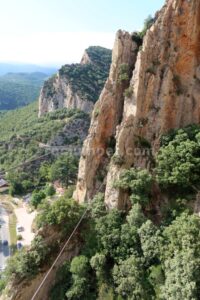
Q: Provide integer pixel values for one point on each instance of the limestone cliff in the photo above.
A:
(77, 86)
(107, 115)
(164, 93)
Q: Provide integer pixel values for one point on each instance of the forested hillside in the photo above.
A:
(25, 137)
(127, 226)
(19, 89)
(88, 79)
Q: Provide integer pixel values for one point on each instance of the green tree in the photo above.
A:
(148, 22)
(50, 190)
(98, 262)
(27, 185)
(180, 256)
(150, 241)
(64, 169)
(182, 274)
(98, 208)
(108, 230)
(138, 182)
(44, 172)
(130, 243)
(135, 216)
(178, 162)
(25, 264)
(63, 212)
(131, 281)
(37, 197)
(81, 280)
(63, 282)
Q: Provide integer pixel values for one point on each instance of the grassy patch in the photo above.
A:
(8, 206)
(12, 229)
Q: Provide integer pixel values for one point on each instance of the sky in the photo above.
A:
(55, 32)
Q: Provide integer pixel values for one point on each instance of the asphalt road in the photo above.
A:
(4, 236)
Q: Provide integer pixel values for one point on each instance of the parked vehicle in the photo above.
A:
(19, 228)
(19, 245)
(2, 268)
(5, 243)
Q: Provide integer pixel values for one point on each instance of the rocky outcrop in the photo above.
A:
(164, 93)
(77, 86)
(25, 289)
(86, 59)
(70, 138)
(57, 93)
(107, 115)
(165, 89)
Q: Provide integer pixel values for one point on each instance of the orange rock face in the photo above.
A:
(164, 94)
(107, 115)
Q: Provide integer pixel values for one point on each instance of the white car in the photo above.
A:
(19, 228)
(2, 268)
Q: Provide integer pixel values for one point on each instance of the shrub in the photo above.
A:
(19, 237)
(136, 37)
(128, 92)
(37, 198)
(183, 163)
(129, 277)
(26, 263)
(138, 182)
(148, 22)
(64, 169)
(123, 73)
(63, 282)
(96, 112)
(98, 208)
(64, 212)
(118, 160)
(82, 281)
(50, 190)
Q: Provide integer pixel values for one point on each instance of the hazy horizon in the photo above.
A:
(52, 33)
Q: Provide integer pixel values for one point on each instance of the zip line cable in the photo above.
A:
(23, 164)
(62, 250)
(71, 235)
(59, 255)
(27, 162)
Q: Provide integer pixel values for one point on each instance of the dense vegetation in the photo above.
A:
(129, 256)
(19, 89)
(21, 139)
(64, 214)
(22, 131)
(138, 36)
(88, 79)
(151, 251)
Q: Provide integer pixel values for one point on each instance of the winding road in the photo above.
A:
(4, 236)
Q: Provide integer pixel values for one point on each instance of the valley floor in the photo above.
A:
(14, 211)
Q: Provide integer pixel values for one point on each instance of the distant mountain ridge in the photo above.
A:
(34, 78)
(24, 68)
(19, 89)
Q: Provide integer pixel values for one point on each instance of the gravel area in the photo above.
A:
(25, 219)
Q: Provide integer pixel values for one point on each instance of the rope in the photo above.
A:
(59, 255)
(70, 237)
(62, 250)
(23, 164)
